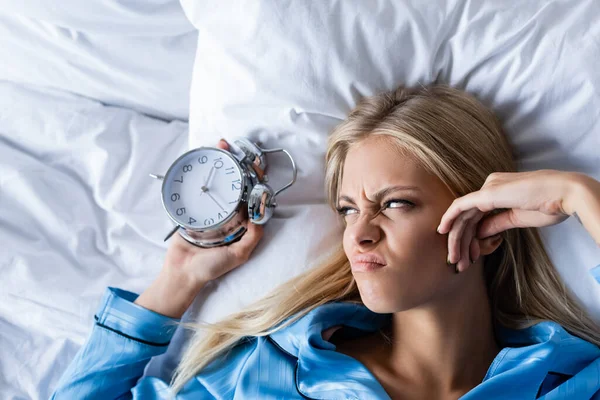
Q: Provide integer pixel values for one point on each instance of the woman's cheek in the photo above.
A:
(420, 236)
(347, 240)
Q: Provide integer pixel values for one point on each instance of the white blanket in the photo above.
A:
(137, 55)
(78, 213)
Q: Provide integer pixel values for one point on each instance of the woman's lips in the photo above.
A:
(367, 262)
(366, 266)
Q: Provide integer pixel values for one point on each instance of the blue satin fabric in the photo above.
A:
(543, 361)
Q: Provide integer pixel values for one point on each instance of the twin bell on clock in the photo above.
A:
(212, 194)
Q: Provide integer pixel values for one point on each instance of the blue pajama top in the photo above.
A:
(540, 362)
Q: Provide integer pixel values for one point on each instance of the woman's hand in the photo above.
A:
(202, 265)
(188, 268)
(531, 199)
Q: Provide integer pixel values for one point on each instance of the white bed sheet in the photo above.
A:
(78, 213)
(135, 54)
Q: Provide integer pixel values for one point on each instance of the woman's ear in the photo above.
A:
(490, 244)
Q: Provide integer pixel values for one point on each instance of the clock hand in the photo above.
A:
(215, 200)
(205, 187)
(209, 176)
(210, 179)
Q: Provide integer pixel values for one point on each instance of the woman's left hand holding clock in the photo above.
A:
(188, 268)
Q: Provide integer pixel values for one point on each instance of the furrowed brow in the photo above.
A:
(382, 193)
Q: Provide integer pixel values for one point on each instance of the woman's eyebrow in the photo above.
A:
(382, 193)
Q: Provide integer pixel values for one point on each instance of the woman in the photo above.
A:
(442, 287)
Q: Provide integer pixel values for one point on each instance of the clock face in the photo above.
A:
(203, 188)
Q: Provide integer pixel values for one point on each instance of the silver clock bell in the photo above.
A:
(211, 194)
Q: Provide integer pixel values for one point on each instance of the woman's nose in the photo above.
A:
(365, 232)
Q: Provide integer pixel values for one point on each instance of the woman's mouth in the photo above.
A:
(367, 262)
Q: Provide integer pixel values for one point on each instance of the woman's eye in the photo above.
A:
(345, 211)
(398, 203)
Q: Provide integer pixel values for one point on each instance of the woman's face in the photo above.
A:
(402, 236)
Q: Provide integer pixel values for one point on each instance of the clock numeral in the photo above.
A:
(180, 181)
(220, 216)
(236, 185)
(181, 211)
(175, 197)
(203, 160)
(230, 170)
(209, 221)
(218, 163)
(187, 168)
(191, 221)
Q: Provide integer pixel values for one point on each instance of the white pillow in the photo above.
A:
(135, 54)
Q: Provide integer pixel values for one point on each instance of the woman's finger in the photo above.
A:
(495, 223)
(516, 218)
(455, 235)
(481, 200)
(465, 244)
(467, 238)
(475, 249)
(223, 144)
(244, 247)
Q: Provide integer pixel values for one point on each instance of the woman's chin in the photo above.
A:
(377, 301)
(382, 301)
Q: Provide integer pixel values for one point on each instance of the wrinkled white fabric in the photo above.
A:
(78, 212)
(135, 54)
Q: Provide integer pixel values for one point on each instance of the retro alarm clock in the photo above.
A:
(212, 194)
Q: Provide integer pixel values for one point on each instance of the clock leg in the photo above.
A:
(171, 233)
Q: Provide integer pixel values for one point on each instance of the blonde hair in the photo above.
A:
(460, 141)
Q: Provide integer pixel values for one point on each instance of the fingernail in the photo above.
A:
(223, 140)
(454, 265)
